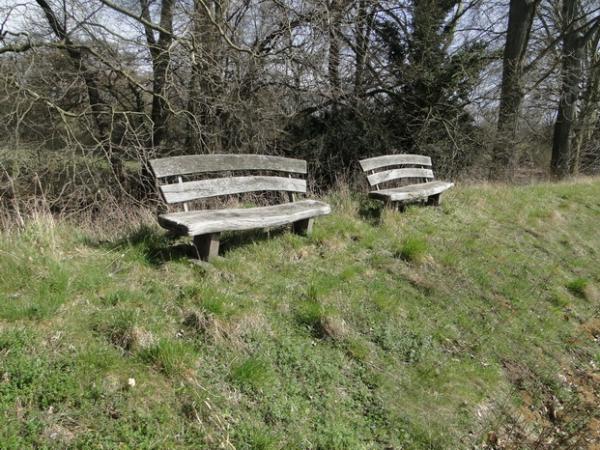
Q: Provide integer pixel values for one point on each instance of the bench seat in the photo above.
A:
(412, 191)
(216, 220)
(413, 170)
(187, 178)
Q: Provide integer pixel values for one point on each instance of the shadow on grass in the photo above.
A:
(152, 245)
(157, 247)
(370, 210)
(233, 240)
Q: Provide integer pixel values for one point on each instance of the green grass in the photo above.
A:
(578, 286)
(420, 329)
(412, 249)
(252, 373)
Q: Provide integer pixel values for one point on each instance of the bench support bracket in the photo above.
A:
(434, 200)
(303, 226)
(207, 246)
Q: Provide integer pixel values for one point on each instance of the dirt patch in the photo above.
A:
(592, 328)
(545, 422)
(58, 435)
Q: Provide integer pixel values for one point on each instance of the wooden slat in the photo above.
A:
(188, 164)
(394, 160)
(413, 191)
(207, 245)
(186, 207)
(192, 190)
(216, 220)
(395, 174)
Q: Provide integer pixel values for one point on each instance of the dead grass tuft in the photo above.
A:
(335, 244)
(591, 293)
(249, 323)
(207, 325)
(333, 327)
(131, 339)
(556, 217)
(58, 435)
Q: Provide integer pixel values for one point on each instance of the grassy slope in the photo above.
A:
(420, 330)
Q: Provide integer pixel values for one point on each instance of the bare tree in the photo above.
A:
(160, 51)
(576, 33)
(520, 19)
(590, 103)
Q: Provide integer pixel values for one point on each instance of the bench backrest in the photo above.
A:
(386, 168)
(172, 170)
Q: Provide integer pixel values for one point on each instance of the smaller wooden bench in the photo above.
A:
(205, 225)
(414, 169)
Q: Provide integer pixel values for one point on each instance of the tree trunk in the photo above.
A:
(333, 65)
(590, 99)
(160, 52)
(571, 71)
(362, 39)
(204, 130)
(520, 20)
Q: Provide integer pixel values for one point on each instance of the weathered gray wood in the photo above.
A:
(412, 192)
(205, 225)
(207, 246)
(396, 174)
(304, 226)
(394, 160)
(188, 164)
(186, 206)
(191, 190)
(291, 195)
(211, 221)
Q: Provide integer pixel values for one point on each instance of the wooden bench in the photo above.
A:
(177, 178)
(416, 169)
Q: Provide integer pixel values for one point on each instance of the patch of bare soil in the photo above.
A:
(545, 422)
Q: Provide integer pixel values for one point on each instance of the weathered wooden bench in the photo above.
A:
(414, 169)
(177, 178)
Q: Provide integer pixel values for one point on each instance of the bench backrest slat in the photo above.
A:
(235, 178)
(417, 167)
(396, 174)
(192, 190)
(394, 160)
(189, 164)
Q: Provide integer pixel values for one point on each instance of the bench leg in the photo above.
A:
(303, 226)
(207, 246)
(395, 206)
(434, 200)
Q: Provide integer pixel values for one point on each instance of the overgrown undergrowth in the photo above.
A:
(475, 324)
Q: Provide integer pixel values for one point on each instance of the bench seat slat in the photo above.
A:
(396, 174)
(192, 190)
(412, 191)
(394, 160)
(216, 220)
(188, 164)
